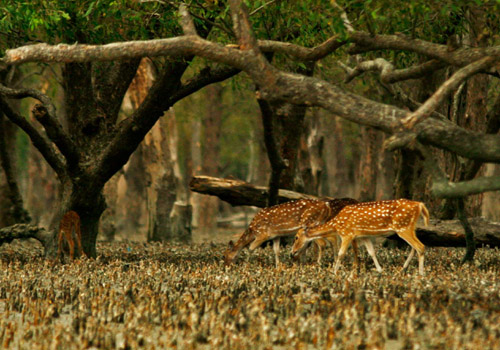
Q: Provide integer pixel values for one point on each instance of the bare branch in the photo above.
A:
(298, 89)
(45, 114)
(365, 42)
(300, 52)
(187, 23)
(401, 96)
(242, 27)
(57, 135)
(445, 189)
(389, 75)
(206, 77)
(52, 157)
(379, 64)
(23, 93)
(445, 90)
(345, 19)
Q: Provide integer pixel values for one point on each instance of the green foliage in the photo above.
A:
(94, 21)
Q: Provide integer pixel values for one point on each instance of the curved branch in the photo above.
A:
(206, 77)
(46, 115)
(446, 89)
(365, 42)
(389, 75)
(43, 145)
(23, 93)
(57, 135)
(299, 52)
(296, 88)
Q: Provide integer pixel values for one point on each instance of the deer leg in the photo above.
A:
(79, 241)
(407, 262)
(319, 245)
(276, 248)
(356, 253)
(411, 238)
(369, 247)
(71, 244)
(346, 240)
(60, 252)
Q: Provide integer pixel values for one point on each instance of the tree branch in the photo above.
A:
(132, 130)
(112, 84)
(446, 189)
(187, 23)
(389, 75)
(53, 158)
(206, 77)
(446, 89)
(302, 90)
(45, 114)
(23, 93)
(56, 134)
(299, 52)
(365, 42)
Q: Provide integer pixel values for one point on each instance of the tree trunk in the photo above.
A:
(12, 208)
(369, 165)
(165, 190)
(212, 124)
(312, 162)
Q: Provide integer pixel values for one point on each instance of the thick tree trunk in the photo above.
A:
(89, 204)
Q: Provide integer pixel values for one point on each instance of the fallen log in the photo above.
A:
(237, 192)
(439, 233)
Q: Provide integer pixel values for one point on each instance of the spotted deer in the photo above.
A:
(70, 223)
(284, 220)
(370, 219)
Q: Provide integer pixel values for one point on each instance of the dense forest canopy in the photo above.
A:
(425, 73)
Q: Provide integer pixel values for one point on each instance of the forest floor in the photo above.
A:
(154, 296)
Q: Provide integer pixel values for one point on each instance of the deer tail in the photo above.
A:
(425, 213)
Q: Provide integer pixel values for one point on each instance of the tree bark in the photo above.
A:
(13, 210)
(369, 165)
(212, 124)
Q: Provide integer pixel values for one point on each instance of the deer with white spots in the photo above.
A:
(370, 219)
(285, 220)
